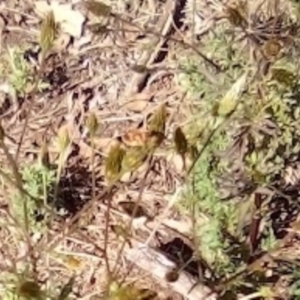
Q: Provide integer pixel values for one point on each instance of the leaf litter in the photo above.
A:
(132, 148)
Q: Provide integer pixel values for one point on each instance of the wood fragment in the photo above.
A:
(159, 266)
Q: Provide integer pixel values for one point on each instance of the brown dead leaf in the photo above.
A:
(143, 138)
(136, 137)
(70, 20)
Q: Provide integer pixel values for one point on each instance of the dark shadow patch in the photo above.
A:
(75, 185)
(182, 254)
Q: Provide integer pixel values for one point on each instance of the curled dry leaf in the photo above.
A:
(113, 163)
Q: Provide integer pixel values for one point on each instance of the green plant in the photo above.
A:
(37, 179)
(19, 72)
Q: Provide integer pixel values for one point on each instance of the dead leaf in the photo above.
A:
(136, 137)
(70, 21)
(180, 140)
